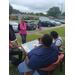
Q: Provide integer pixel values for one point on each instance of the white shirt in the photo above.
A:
(58, 42)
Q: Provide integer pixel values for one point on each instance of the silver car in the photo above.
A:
(14, 25)
(57, 23)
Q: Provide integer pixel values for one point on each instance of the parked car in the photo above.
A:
(57, 23)
(47, 24)
(62, 22)
(31, 25)
(14, 25)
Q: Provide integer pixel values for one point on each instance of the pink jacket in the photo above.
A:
(23, 26)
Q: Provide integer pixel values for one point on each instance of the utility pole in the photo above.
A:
(19, 17)
(61, 8)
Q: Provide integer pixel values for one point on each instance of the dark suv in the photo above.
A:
(47, 24)
(31, 25)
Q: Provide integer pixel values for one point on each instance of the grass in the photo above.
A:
(60, 31)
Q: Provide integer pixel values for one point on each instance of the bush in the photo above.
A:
(28, 18)
(14, 18)
(36, 19)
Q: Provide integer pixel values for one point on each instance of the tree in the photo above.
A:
(63, 14)
(41, 14)
(54, 11)
(16, 11)
(10, 9)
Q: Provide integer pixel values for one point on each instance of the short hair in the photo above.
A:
(39, 39)
(46, 40)
(54, 34)
(22, 19)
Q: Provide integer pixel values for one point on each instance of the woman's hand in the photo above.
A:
(25, 53)
(23, 29)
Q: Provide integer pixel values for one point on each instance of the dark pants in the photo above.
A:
(23, 36)
(14, 59)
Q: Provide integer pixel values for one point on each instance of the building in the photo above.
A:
(61, 17)
(51, 17)
(32, 17)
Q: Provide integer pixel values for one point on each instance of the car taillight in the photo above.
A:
(30, 23)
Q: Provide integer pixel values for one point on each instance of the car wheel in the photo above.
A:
(49, 25)
(34, 28)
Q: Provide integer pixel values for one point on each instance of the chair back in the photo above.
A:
(62, 56)
(52, 66)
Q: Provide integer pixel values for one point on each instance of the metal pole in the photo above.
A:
(19, 17)
(61, 9)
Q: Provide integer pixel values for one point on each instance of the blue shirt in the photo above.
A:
(42, 57)
(39, 23)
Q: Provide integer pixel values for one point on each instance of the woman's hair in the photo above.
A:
(54, 34)
(46, 40)
(38, 39)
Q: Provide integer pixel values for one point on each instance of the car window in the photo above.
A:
(48, 22)
(44, 21)
(25, 21)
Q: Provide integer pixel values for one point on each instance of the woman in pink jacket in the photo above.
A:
(22, 30)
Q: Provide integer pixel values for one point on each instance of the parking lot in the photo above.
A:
(37, 30)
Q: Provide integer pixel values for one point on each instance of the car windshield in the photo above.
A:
(44, 19)
(13, 23)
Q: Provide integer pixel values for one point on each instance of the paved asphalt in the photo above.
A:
(37, 30)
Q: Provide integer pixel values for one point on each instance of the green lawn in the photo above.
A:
(60, 31)
(12, 70)
(36, 21)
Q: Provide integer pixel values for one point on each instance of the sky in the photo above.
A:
(37, 6)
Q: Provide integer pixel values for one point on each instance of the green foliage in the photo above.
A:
(54, 11)
(63, 14)
(10, 9)
(16, 11)
(14, 18)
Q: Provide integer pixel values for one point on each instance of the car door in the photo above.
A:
(43, 23)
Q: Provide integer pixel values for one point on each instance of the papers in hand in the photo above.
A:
(25, 48)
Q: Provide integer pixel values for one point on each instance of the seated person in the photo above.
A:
(39, 39)
(57, 40)
(15, 61)
(40, 57)
(38, 43)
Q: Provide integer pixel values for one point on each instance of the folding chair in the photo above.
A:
(62, 59)
(49, 68)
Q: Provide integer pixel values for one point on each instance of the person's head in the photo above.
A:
(22, 20)
(54, 34)
(39, 20)
(39, 39)
(46, 40)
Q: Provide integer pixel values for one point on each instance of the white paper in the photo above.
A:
(25, 48)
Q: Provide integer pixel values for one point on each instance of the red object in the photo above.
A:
(51, 67)
(30, 23)
(40, 27)
(9, 42)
